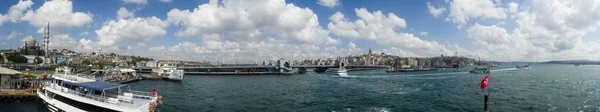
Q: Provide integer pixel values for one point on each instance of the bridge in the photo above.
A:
(298, 68)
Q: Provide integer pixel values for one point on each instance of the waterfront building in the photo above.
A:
(9, 78)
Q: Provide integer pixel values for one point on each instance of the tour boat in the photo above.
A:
(477, 70)
(341, 71)
(71, 93)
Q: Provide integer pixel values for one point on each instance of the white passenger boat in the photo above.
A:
(71, 93)
(338, 71)
(169, 72)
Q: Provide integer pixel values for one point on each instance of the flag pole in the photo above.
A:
(486, 107)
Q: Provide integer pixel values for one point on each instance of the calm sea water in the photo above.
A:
(545, 87)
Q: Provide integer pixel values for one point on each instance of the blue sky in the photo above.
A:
(254, 30)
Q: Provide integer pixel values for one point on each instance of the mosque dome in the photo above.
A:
(31, 42)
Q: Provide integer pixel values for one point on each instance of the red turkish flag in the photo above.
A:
(484, 82)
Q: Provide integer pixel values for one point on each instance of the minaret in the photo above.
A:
(46, 41)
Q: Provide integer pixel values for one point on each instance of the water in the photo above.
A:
(543, 88)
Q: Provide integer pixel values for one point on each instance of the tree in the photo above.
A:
(16, 58)
(62, 63)
(38, 60)
(86, 62)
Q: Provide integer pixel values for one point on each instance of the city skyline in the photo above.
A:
(501, 30)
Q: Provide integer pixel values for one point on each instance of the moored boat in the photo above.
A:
(72, 93)
(169, 72)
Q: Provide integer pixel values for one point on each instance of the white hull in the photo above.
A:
(341, 72)
(57, 106)
(175, 75)
(62, 98)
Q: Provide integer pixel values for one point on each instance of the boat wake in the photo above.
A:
(505, 69)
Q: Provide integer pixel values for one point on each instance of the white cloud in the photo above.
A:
(122, 13)
(141, 2)
(166, 1)
(512, 7)
(436, 12)
(249, 52)
(247, 20)
(463, 10)
(134, 29)
(13, 35)
(424, 34)
(331, 41)
(396, 52)
(60, 15)
(3, 19)
(329, 3)
(382, 29)
(28, 38)
(86, 45)
(61, 41)
(15, 12)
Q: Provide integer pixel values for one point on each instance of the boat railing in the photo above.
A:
(141, 94)
(73, 92)
(88, 96)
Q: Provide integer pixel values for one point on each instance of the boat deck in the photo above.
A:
(140, 100)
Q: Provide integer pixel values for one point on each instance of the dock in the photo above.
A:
(150, 77)
(13, 95)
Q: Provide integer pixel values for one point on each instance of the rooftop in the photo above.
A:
(9, 71)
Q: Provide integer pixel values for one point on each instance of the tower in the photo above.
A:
(46, 42)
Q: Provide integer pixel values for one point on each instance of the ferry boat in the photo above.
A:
(523, 67)
(170, 73)
(341, 71)
(478, 70)
(71, 93)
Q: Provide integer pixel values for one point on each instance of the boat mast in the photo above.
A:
(167, 57)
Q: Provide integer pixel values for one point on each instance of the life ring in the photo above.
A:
(152, 107)
(160, 100)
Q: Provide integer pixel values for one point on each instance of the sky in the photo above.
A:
(257, 30)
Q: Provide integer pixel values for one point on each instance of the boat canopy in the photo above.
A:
(96, 85)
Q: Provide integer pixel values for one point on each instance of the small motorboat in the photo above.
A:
(478, 70)
(523, 67)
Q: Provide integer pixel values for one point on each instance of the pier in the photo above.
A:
(13, 95)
